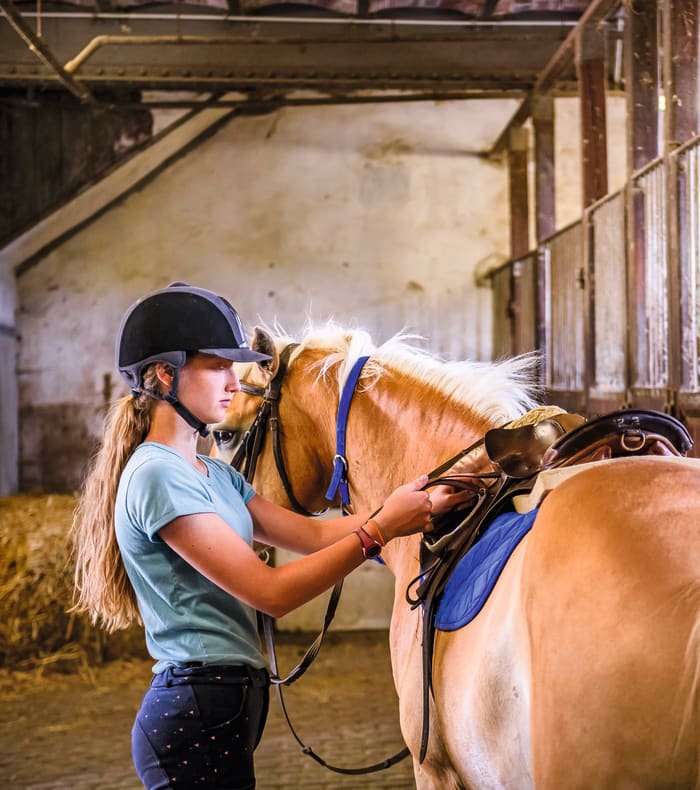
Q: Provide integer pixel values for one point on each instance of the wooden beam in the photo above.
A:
(590, 67)
(641, 82)
(597, 11)
(545, 204)
(518, 193)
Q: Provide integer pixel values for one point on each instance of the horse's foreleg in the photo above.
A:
(436, 771)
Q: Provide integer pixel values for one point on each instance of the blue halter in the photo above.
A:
(339, 481)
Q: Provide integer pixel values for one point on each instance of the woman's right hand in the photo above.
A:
(406, 510)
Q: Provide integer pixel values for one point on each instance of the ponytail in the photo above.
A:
(102, 588)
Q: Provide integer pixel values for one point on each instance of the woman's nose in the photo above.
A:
(233, 384)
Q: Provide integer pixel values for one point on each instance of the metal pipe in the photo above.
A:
(191, 40)
(42, 51)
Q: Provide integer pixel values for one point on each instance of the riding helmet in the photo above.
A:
(168, 324)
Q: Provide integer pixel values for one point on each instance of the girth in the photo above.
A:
(511, 459)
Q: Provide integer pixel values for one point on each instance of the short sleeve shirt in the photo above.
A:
(186, 616)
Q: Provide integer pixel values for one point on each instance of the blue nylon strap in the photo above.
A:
(339, 481)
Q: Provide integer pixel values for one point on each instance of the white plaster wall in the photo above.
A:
(369, 214)
(567, 131)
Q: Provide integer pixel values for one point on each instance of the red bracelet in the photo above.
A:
(371, 548)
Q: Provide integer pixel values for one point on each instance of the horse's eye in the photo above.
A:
(223, 437)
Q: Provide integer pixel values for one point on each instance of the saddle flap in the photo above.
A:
(519, 451)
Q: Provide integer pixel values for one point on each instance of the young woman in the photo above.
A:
(165, 536)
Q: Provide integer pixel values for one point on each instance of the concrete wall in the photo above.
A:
(373, 216)
(567, 131)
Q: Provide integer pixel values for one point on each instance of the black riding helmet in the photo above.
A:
(167, 324)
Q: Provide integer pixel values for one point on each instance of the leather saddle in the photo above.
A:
(569, 439)
(509, 460)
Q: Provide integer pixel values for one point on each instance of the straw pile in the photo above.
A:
(36, 588)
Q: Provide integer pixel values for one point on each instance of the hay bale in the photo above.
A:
(36, 592)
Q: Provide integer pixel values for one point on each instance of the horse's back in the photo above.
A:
(611, 595)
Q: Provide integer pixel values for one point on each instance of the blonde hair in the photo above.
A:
(102, 588)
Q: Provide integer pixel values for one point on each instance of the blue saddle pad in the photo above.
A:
(477, 572)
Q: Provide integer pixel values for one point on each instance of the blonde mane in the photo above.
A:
(498, 391)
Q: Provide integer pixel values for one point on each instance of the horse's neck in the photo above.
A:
(398, 431)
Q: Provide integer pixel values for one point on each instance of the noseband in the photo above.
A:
(245, 459)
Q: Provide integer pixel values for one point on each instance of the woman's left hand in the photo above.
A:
(445, 498)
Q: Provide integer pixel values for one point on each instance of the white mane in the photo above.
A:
(499, 391)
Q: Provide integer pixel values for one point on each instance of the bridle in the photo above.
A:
(245, 459)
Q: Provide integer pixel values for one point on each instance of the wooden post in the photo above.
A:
(518, 192)
(641, 82)
(680, 70)
(642, 95)
(590, 67)
(545, 204)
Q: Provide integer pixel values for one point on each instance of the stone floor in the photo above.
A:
(69, 732)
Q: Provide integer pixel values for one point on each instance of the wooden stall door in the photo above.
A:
(649, 290)
(564, 313)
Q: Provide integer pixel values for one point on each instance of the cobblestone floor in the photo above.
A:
(65, 732)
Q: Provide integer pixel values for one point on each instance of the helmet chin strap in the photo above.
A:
(180, 408)
(183, 411)
(186, 414)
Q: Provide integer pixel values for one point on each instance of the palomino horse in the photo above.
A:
(583, 668)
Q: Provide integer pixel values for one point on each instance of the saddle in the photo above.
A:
(506, 463)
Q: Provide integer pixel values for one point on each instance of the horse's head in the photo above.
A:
(255, 378)
(280, 422)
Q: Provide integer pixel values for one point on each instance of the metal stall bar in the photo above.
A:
(608, 353)
(564, 304)
(649, 289)
(687, 169)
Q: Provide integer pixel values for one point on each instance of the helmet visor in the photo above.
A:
(237, 354)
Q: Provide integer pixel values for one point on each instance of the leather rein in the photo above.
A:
(245, 460)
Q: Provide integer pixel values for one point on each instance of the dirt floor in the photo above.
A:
(71, 731)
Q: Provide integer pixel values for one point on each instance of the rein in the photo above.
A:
(245, 460)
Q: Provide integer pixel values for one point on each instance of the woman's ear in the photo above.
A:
(164, 374)
(264, 344)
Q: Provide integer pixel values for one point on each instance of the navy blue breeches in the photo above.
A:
(198, 726)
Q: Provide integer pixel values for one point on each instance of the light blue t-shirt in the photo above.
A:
(186, 616)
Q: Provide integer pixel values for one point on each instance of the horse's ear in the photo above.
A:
(264, 344)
